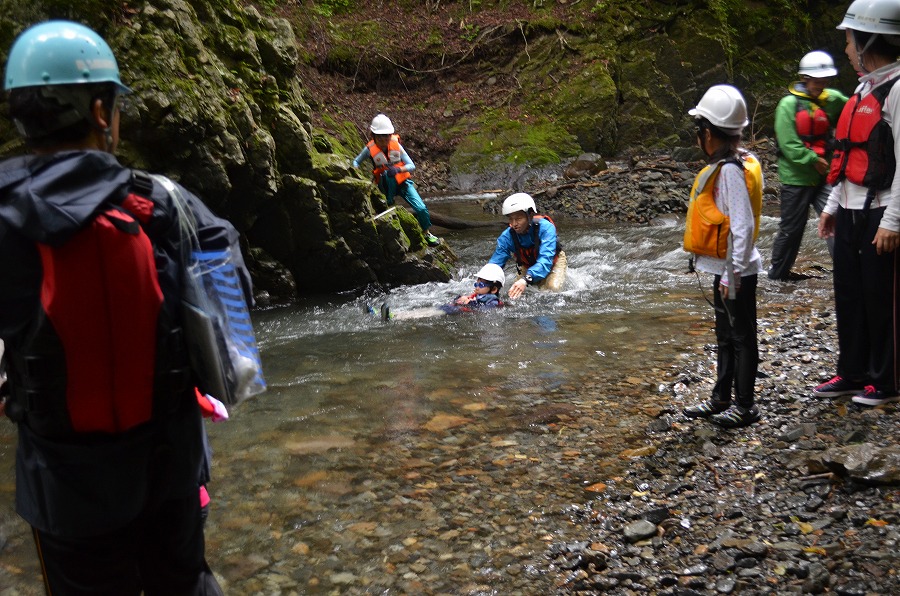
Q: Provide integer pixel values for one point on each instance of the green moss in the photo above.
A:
(330, 8)
(496, 137)
(338, 136)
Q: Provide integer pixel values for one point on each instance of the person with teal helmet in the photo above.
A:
(67, 64)
(109, 461)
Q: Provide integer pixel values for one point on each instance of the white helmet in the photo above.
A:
(873, 16)
(492, 272)
(817, 65)
(724, 107)
(521, 201)
(381, 125)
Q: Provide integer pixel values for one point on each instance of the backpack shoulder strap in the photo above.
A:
(141, 183)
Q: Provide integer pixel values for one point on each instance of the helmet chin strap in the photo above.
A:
(107, 130)
(860, 52)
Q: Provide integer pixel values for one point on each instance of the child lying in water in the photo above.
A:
(489, 280)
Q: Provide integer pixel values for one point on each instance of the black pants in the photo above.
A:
(161, 553)
(795, 204)
(865, 297)
(738, 353)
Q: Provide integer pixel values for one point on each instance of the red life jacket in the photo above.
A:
(383, 162)
(864, 143)
(91, 361)
(813, 129)
(526, 257)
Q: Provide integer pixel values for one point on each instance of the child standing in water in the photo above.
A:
(722, 224)
(392, 169)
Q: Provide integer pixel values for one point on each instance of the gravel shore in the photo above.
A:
(806, 501)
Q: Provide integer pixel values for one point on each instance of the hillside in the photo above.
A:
(533, 81)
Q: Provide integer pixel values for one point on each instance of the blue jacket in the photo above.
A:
(545, 232)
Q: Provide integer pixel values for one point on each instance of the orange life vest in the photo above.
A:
(706, 230)
(383, 162)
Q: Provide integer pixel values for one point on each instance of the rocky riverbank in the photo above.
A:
(806, 501)
(635, 190)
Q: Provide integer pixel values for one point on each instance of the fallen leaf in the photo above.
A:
(878, 523)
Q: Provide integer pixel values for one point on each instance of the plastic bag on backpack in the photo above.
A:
(218, 330)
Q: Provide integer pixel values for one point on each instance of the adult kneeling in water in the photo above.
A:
(531, 239)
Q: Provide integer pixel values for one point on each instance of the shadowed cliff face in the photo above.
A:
(217, 105)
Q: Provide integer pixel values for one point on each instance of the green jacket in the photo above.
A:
(796, 162)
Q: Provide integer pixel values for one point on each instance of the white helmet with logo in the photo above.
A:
(520, 201)
(817, 65)
(873, 16)
(492, 272)
(382, 125)
(724, 107)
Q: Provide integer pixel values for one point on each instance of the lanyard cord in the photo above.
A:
(725, 310)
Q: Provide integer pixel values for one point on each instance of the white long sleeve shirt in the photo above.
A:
(853, 196)
(733, 200)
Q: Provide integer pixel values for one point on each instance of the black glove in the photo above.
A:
(392, 171)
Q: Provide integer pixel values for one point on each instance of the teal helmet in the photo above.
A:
(60, 53)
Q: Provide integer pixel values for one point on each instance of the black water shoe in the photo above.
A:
(705, 409)
(736, 416)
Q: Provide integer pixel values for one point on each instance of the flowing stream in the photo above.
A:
(440, 454)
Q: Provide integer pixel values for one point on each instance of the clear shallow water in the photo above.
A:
(415, 456)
